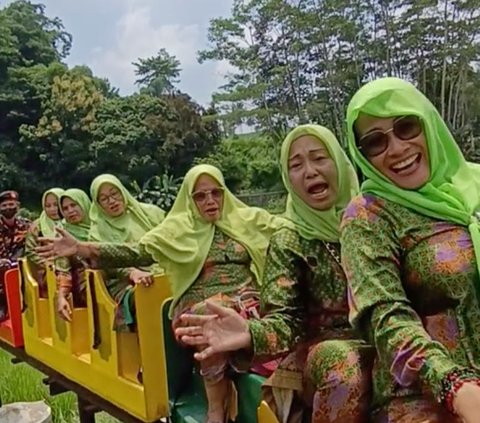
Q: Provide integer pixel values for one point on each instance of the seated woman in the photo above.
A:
(70, 272)
(304, 295)
(211, 245)
(410, 249)
(116, 216)
(45, 225)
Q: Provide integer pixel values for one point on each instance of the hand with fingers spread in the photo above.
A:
(140, 277)
(63, 308)
(222, 331)
(63, 246)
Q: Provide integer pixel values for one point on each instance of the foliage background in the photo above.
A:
(294, 61)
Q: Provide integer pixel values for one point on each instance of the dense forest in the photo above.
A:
(293, 61)
(62, 127)
(301, 60)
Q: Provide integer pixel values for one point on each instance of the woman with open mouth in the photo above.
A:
(325, 374)
(411, 250)
(211, 245)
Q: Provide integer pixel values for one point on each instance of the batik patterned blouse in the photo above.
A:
(226, 269)
(303, 295)
(413, 285)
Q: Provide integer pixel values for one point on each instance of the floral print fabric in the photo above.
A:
(412, 294)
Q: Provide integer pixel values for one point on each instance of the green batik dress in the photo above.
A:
(225, 277)
(413, 283)
(304, 303)
(226, 270)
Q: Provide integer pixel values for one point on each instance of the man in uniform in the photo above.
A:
(13, 230)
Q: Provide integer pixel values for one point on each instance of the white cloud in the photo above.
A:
(136, 36)
(222, 69)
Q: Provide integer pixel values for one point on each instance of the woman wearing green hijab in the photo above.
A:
(304, 295)
(211, 245)
(70, 272)
(116, 216)
(410, 248)
(43, 226)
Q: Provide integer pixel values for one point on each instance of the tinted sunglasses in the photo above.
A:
(201, 196)
(376, 142)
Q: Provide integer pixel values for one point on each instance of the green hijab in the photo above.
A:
(48, 225)
(78, 230)
(452, 192)
(138, 218)
(312, 223)
(181, 243)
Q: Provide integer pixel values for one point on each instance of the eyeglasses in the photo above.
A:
(115, 196)
(376, 142)
(201, 196)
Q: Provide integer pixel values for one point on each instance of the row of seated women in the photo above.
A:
(362, 301)
(113, 215)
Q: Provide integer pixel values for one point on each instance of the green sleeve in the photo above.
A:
(114, 255)
(281, 307)
(379, 306)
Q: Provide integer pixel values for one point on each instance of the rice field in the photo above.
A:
(20, 382)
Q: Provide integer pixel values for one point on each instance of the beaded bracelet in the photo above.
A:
(452, 383)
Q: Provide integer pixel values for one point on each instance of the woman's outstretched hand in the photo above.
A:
(221, 331)
(63, 246)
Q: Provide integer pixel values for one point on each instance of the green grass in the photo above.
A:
(20, 382)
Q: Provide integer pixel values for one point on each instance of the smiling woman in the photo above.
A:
(396, 146)
(410, 249)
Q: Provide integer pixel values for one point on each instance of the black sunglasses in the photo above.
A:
(376, 142)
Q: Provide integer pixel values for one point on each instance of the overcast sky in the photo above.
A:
(108, 35)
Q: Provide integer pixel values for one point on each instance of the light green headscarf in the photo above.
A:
(138, 218)
(48, 225)
(312, 223)
(181, 243)
(78, 230)
(452, 192)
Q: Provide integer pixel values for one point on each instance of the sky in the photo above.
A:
(108, 35)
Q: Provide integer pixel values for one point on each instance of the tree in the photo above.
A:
(158, 74)
(300, 61)
(249, 163)
(150, 136)
(62, 127)
(59, 142)
(38, 38)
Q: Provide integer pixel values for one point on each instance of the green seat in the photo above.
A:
(249, 396)
(188, 403)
